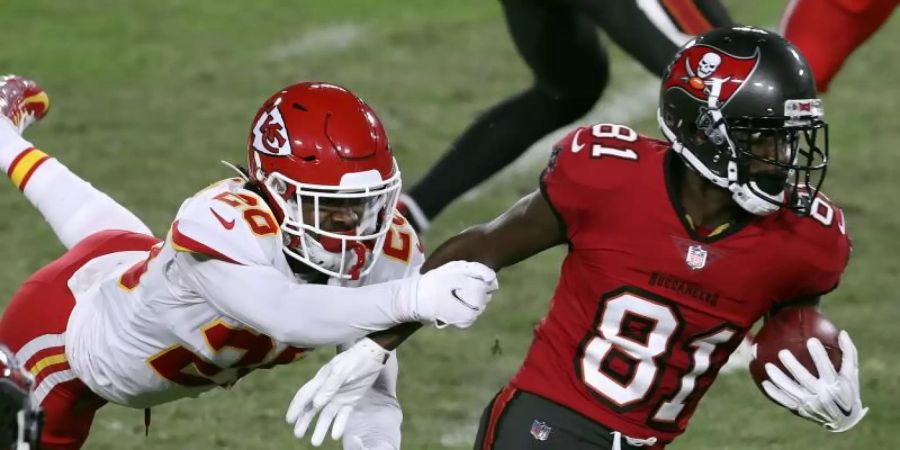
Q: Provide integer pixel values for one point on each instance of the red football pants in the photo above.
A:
(34, 328)
(827, 31)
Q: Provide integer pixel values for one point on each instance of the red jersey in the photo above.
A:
(647, 310)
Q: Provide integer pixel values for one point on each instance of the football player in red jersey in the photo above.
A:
(676, 248)
(828, 31)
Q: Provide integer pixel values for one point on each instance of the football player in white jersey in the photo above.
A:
(304, 249)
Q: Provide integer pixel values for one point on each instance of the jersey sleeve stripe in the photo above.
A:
(18, 160)
(24, 166)
(183, 243)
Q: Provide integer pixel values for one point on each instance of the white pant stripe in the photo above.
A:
(50, 382)
(39, 343)
(657, 15)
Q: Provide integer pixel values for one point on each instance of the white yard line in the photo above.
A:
(325, 39)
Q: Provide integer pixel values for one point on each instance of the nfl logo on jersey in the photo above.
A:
(696, 257)
(540, 430)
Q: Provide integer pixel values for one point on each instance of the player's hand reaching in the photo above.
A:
(832, 399)
(455, 293)
(335, 390)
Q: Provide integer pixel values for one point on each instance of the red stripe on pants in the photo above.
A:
(497, 409)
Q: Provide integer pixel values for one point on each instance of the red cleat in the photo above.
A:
(22, 101)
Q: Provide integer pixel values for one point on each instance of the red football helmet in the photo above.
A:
(315, 150)
(20, 416)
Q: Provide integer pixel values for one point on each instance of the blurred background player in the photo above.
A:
(828, 31)
(20, 417)
(558, 40)
(254, 270)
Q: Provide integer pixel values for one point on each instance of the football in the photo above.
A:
(789, 329)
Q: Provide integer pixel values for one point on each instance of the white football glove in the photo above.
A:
(337, 387)
(455, 293)
(377, 418)
(832, 399)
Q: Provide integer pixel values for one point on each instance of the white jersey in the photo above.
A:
(217, 299)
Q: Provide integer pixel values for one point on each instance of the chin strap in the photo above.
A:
(237, 169)
(359, 251)
(750, 198)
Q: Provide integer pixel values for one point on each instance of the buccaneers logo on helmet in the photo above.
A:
(700, 66)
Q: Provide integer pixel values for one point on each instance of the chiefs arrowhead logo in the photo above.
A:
(270, 135)
(699, 66)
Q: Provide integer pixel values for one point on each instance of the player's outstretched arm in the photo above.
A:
(311, 315)
(370, 413)
(72, 207)
(529, 227)
(375, 422)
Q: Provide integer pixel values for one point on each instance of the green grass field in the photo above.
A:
(149, 96)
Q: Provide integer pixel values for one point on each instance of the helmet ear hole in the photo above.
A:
(279, 186)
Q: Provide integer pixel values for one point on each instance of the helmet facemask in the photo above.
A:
(348, 246)
(779, 160)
